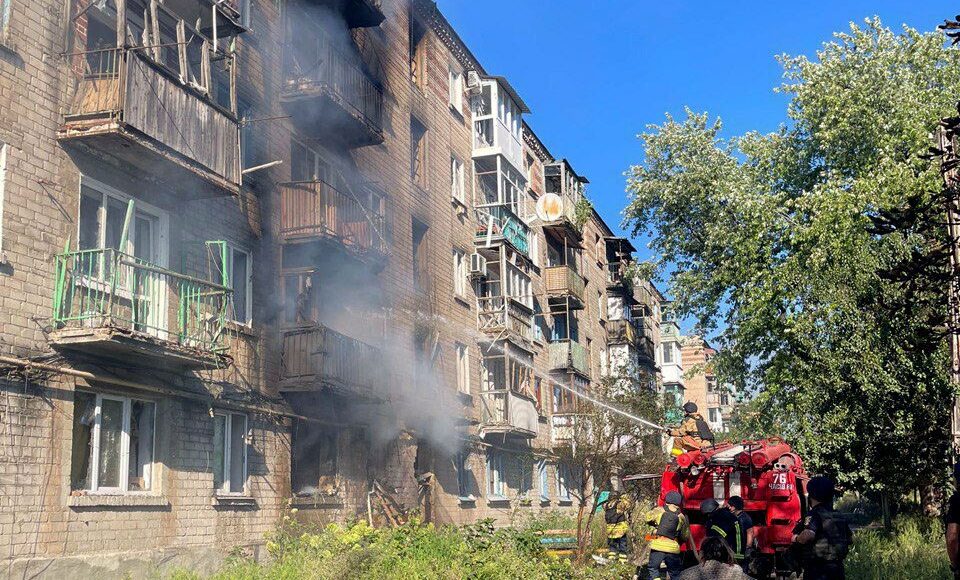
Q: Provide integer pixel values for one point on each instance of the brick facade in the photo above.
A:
(413, 422)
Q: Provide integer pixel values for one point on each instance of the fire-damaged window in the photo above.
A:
(418, 52)
(229, 452)
(102, 213)
(418, 152)
(112, 443)
(463, 368)
(307, 165)
(233, 266)
(314, 459)
(464, 476)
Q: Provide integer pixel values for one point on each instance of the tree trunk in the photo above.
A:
(887, 514)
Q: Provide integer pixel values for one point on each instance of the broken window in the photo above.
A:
(456, 181)
(418, 52)
(301, 298)
(307, 165)
(495, 487)
(460, 280)
(229, 452)
(112, 443)
(464, 475)
(418, 152)
(463, 368)
(233, 267)
(101, 226)
(314, 456)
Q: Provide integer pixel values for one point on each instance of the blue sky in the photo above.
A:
(596, 73)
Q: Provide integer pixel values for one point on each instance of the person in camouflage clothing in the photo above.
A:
(693, 432)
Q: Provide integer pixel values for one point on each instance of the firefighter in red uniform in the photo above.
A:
(824, 536)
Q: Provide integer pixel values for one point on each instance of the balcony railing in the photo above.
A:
(316, 356)
(123, 89)
(314, 209)
(506, 411)
(106, 288)
(567, 354)
(623, 331)
(497, 222)
(564, 281)
(498, 315)
(315, 67)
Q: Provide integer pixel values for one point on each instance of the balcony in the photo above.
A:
(569, 356)
(315, 210)
(505, 318)
(497, 224)
(316, 357)
(624, 331)
(329, 94)
(140, 114)
(507, 412)
(111, 304)
(565, 287)
(357, 13)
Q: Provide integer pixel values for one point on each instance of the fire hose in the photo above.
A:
(611, 408)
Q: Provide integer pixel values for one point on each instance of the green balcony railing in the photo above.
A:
(107, 288)
(496, 222)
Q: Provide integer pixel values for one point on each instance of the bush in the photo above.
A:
(915, 550)
(476, 552)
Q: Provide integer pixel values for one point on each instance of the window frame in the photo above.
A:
(162, 218)
(495, 476)
(419, 168)
(458, 192)
(6, 15)
(544, 480)
(455, 89)
(4, 152)
(462, 352)
(124, 466)
(462, 467)
(232, 249)
(564, 476)
(228, 455)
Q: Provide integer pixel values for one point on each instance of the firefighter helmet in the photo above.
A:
(673, 498)
(709, 505)
(689, 407)
(821, 489)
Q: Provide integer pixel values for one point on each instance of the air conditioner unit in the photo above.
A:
(478, 265)
(473, 82)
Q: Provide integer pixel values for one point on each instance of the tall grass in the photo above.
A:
(914, 550)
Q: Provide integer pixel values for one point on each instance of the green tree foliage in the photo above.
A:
(818, 253)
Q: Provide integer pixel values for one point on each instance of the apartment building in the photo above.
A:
(265, 254)
(715, 400)
(669, 354)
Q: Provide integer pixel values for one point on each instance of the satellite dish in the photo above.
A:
(550, 207)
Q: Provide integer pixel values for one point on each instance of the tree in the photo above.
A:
(599, 445)
(818, 254)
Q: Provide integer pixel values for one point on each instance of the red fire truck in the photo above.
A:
(769, 477)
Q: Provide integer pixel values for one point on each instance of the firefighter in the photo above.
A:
(616, 515)
(747, 533)
(672, 528)
(951, 522)
(824, 537)
(722, 523)
(693, 433)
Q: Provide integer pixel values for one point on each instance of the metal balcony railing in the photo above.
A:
(498, 222)
(316, 355)
(310, 209)
(567, 354)
(107, 288)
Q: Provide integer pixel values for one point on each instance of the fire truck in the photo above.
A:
(769, 477)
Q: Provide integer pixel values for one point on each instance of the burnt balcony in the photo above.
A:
(315, 210)
(565, 287)
(569, 356)
(316, 357)
(497, 224)
(111, 304)
(507, 412)
(356, 13)
(330, 95)
(505, 318)
(130, 108)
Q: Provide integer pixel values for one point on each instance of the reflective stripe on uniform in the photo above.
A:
(719, 530)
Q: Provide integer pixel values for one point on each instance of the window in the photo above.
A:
(112, 443)
(563, 481)
(538, 321)
(462, 465)
(463, 368)
(495, 475)
(314, 458)
(524, 468)
(306, 164)
(534, 248)
(668, 353)
(538, 393)
(418, 52)
(460, 273)
(714, 414)
(419, 257)
(5, 9)
(229, 452)
(544, 481)
(455, 89)
(456, 181)
(102, 213)
(418, 152)
(601, 305)
(3, 154)
(238, 276)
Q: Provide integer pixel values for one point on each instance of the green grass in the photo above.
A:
(413, 551)
(914, 550)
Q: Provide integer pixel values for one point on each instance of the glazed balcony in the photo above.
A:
(141, 114)
(506, 412)
(565, 287)
(329, 94)
(316, 357)
(112, 304)
(504, 318)
(569, 356)
(497, 224)
(315, 210)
